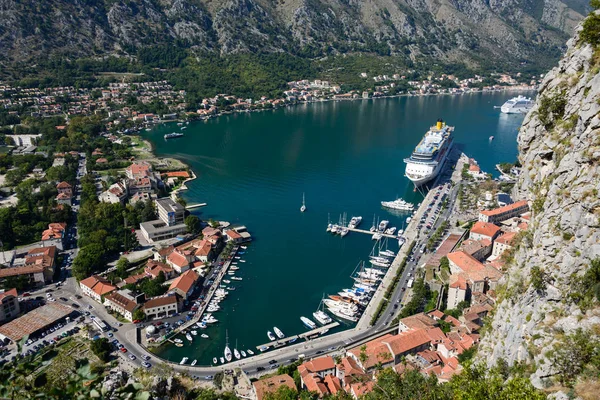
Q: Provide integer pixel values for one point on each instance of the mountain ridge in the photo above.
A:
(449, 30)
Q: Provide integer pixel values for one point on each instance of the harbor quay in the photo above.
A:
(336, 342)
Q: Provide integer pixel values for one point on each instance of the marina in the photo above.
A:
(292, 248)
(290, 339)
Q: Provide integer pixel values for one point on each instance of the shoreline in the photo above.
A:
(184, 187)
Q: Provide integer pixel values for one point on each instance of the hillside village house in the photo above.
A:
(503, 243)
(184, 284)
(484, 230)
(504, 213)
(270, 385)
(154, 268)
(65, 193)
(54, 235)
(161, 307)
(123, 302)
(96, 287)
(319, 375)
(9, 304)
(37, 266)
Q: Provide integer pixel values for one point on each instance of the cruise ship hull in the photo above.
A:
(426, 171)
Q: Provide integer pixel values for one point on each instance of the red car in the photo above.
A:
(136, 321)
(123, 350)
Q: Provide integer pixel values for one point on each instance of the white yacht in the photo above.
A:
(376, 236)
(517, 105)
(383, 225)
(429, 156)
(303, 208)
(278, 332)
(194, 363)
(354, 222)
(343, 315)
(398, 204)
(227, 352)
(184, 360)
(322, 317)
(310, 324)
(236, 354)
(391, 231)
(189, 337)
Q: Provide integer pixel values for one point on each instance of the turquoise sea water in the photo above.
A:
(347, 157)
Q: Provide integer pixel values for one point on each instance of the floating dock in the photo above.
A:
(372, 233)
(305, 335)
(197, 205)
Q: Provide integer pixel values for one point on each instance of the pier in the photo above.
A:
(197, 205)
(305, 335)
(372, 233)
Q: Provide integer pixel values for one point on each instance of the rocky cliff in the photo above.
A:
(511, 31)
(552, 286)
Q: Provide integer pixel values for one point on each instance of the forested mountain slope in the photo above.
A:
(508, 30)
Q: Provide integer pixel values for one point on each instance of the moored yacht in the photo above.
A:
(271, 336)
(310, 324)
(278, 332)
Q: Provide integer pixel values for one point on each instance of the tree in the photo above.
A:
(101, 348)
(193, 224)
(122, 266)
(363, 353)
(181, 201)
(148, 212)
(139, 315)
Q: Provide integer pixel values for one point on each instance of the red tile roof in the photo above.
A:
(233, 234)
(98, 285)
(185, 281)
(9, 292)
(504, 209)
(121, 301)
(464, 261)
(160, 301)
(270, 385)
(407, 341)
(507, 238)
(317, 365)
(63, 185)
(485, 229)
(178, 259)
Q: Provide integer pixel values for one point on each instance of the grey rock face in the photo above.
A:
(561, 177)
(450, 29)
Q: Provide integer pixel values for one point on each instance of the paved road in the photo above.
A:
(126, 334)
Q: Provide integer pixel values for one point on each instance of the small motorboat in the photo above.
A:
(243, 353)
(194, 333)
(264, 348)
(204, 335)
(243, 247)
(179, 344)
(184, 360)
(271, 336)
(250, 352)
(189, 337)
(222, 360)
(194, 363)
(178, 340)
(214, 360)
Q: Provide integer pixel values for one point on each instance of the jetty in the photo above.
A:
(305, 335)
(197, 205)
(372, 233)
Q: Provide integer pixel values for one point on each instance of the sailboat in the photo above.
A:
(344, 231)
(227, 352)
(373, 227)
(329, 225)
(236, 353)
(303, 208)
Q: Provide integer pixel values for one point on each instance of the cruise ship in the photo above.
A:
(429, 156)
(517, 105)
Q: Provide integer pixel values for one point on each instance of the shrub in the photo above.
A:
(591, 30)
(552, 109)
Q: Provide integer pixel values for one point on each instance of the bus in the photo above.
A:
(410, 282)
(99, 323)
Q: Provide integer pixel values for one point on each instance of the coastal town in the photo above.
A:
(165, 279)
(129, 104)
